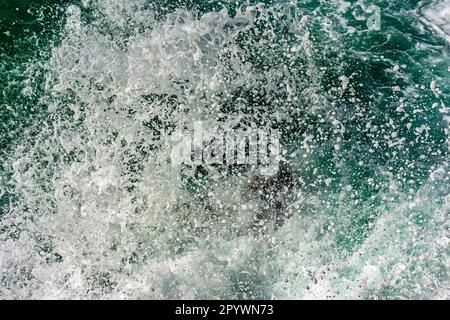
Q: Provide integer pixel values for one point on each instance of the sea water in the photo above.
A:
(91, 205)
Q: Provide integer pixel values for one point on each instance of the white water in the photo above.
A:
(437, 16)
(92, 228)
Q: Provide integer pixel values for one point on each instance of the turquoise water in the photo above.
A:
(91, 207)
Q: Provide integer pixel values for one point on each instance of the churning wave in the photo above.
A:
(92, 206)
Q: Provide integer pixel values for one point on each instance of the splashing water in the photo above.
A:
(92, 207)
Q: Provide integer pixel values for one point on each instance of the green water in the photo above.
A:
(90, 207)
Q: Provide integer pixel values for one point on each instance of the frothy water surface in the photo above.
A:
(92, 207)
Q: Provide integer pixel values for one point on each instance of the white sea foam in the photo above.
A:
(437, 15)
(101, 212)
